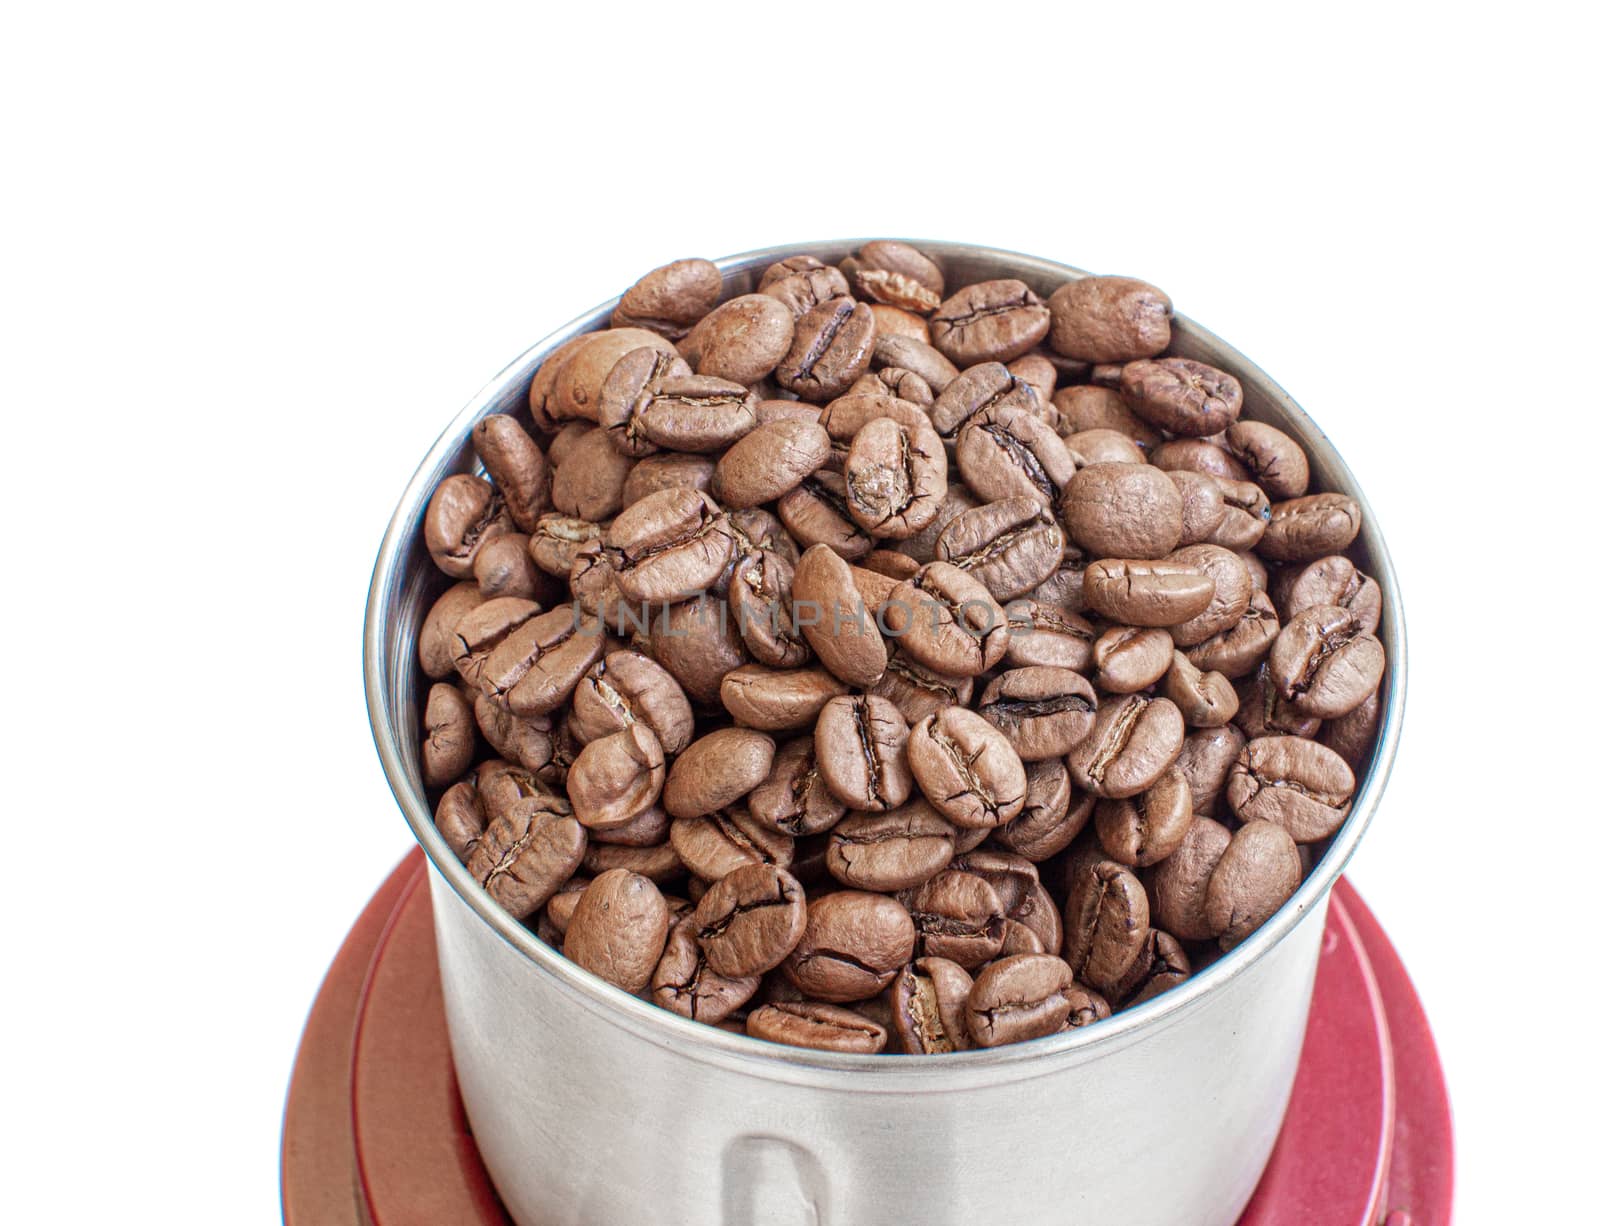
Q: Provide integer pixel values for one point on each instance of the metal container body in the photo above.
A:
(592, 1107)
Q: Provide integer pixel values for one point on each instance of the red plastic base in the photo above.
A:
(375, 1135)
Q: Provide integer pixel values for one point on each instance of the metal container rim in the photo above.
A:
(893, 1073)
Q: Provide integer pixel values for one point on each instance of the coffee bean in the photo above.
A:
(1332, 580)
(577, 386)
(966, 768)
(1351, 736)
(1275, 461)
(891, 851)
(1230, 594)
(778, 699)
(1200, 456)
(1019, 998)
(946, 620)
(1138, 593)
(1255, 876)
(1123, 511)
(832, 345)
(449, 736)
(464, 513)
(649, 829)
(535, 667)
(1086, 1006)
(1130, 658)
(1134, 739)
(713, 846)
(1236, 651)
(1206, 760)
(861, 752)
(436, 641)
(891, 564)
(649, 401)
(894, 478)
(1145, 829)
(1178, 884)
(854, 943)
(526, 854)
(1050, 818)
(743, 340)
(1202, 505)
(618, 929)
(917, 691)
(698, 643)
(1160, 966)
(750, 920)
(717, 770)
(668, 546)
(556, 540)
(1206, 699)
(1324, 663)
(989, 321)
(1109, 319)
(1010, 546)
(787, 267)
(625, 688)
(685, 984)
(1046, 633)
(617, 777)
(896, 273)
(1264, 711)
(1107, 920)
(1182, 396)
(516, 466)
(1245, 512)
(958, 916)
(670, 299)
(929, 1000)
(817, 511)
(667, 470)
(823, 1027)
(759, 599)
(1007, 452)
(1086, 407)
(987, 387)
(1295, 783)
(659, 864)
(588, 484)
(793, 798)
(803, 290)
(503, 567)
(769, 462)
(1103, 447)
(831, 614)
(1042, 711)
(1302, 529)
(527, 742)
(541, 391)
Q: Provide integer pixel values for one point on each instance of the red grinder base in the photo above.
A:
(375, 1135)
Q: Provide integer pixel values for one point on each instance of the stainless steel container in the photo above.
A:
(593, 1107)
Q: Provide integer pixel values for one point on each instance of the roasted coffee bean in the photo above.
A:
(625, 688)
(685, 984)
(929, 999)
(713, 846)
(1103, 447)
(502, 784)
(778, 699)
(1294, 783)
(966, 768)
(832, 345)
(652, 400)
(1178, 884)
(989, 321)
(717, 770)
(1202, 505)
(1138, 593)
(1245, 513)
(1042, 711)
(1230, 592)
(895, 273)
(845, 417)
(577, 387)
(667, 470)
(1200, 456)
(891, 851)
(670, 299)
(564, 439)
(1145, 829)
(617, 777)
(618, 929)
(1306, 528)
(436, 641)
(1351, 736)
(588, 485)
(988, 386)
(891, 564)
(861, 752)
(1275, 461)
(917, 691)
(1086, 1007)
(854, 943)
(957, 916)
(918, 357)
(526, 854)
(515, 465)
(1109, 319)
(556, 541)
(1085, 407)
(793, 798)
(1264, 711)
(464, 513)
(593, 584)
(1206, 699)
(1160, 966)
(1046, 633)
(541, 391)
(1206, 760)
(1128, 658)
(1007, 452)
(830, 613)
(1133, 740)
(1324, 663)
(1255, 876)
(957, 498)
(743, 340)
(770, 461)
(750, 920)
(527, 742)
(1010, 546)
(449, 736)
(1123, 511)
(1182, 396)
(1049, 819)
(896, 381)
(660, 864)
(1236, 651)
(817, 512)
(649, 829)
(1036, 918)
(564, 902)
(668, 546)
(1259, 579)
(534, 668)
(759, 599)
(503, 567)
(894, 478)
(1022, 997)
(788, 267)
(1107, 920)
(800, 291)
(1332, 580)
(823, 1027)
(946, 620)
(698, 642)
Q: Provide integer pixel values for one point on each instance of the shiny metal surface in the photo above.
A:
(591, 1106)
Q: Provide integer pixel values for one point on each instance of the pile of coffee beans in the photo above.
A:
(877, 664)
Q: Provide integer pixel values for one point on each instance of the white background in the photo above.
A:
(255, 258)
